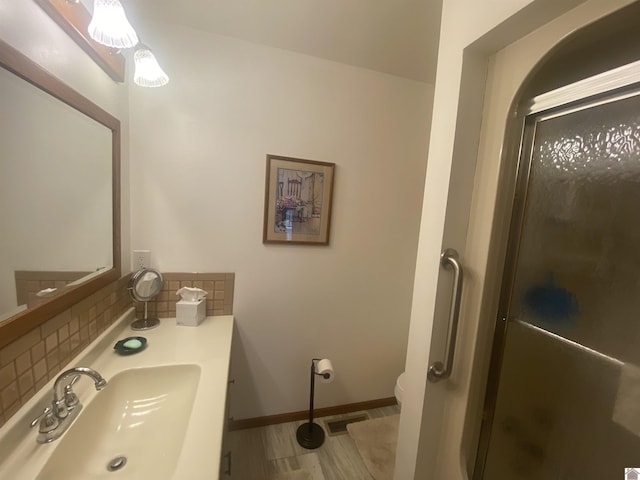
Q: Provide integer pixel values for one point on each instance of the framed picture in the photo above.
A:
(297, 205)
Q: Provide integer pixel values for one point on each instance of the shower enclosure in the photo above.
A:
(563, 400)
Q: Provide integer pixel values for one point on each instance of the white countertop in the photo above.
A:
(207, 345)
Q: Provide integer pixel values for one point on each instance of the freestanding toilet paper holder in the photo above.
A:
(311, 435)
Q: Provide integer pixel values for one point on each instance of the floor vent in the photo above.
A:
(339, 427)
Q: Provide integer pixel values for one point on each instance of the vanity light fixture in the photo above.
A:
(148, 72)
(109, 25)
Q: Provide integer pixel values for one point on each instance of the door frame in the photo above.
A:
(451, 411)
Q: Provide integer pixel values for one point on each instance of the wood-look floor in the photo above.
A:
(273, 453)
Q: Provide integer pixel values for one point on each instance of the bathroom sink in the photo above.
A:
(134, 428)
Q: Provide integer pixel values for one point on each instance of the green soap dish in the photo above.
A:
(130, 345)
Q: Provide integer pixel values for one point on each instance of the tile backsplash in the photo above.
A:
(30, 282)
(219, 288)
(28, 363)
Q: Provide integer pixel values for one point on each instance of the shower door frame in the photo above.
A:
(607, 87)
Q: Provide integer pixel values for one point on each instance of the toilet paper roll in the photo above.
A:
(325, 370)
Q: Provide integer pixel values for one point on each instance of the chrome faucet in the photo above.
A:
(65, 407)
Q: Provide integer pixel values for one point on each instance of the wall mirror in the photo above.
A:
(59, 196)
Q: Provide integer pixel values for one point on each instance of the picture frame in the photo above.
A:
(298, 201)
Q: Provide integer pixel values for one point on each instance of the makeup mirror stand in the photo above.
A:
(145, 284)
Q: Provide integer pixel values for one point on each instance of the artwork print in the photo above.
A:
(297, 201)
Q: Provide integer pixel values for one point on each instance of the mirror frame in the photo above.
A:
(15, 62)
(74, 19)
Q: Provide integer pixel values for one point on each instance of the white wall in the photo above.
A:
(198, 173)
(27, 28)
(471, 32)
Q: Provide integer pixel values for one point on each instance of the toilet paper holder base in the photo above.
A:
(311, 435)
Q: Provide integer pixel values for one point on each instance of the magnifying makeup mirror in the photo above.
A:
(144, 285)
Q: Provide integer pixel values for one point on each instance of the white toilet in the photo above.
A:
(399, 390)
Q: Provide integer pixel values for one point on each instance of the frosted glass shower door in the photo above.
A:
(566, 393)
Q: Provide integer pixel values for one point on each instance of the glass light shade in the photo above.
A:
(109, 25)
(147, 70)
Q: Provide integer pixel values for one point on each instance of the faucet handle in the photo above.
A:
(35, 421)
(47, 421)
(70, 397)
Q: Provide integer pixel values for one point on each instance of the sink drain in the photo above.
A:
(116, 464)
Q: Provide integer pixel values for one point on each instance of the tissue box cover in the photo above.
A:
(190, 313)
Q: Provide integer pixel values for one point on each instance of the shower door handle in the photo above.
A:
(439, 370)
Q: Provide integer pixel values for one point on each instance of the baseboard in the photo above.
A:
(303, 415)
